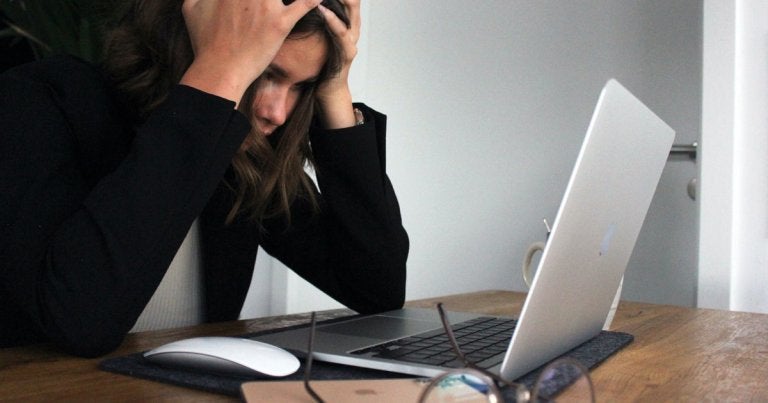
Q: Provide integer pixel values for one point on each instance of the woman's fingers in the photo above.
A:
(300, 8)
(347, 36)
(353, 11)
(235, 40)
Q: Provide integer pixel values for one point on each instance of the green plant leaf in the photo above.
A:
(60, 26)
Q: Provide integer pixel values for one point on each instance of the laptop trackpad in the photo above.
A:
(379, 327)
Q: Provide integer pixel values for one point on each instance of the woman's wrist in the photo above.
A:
(337, 111)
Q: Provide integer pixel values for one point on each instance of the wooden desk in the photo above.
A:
(679, 354)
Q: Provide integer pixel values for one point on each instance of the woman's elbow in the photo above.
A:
(88, 344)
(389, 291)
(85, 338)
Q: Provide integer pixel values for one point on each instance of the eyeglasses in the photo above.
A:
(565, 379)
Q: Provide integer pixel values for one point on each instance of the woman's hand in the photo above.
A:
(334, 96)
(235, 40)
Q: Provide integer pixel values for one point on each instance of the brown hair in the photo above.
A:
(149, 50)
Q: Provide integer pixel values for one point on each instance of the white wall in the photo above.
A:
(488, 103)
(750, 266)
(734, 176)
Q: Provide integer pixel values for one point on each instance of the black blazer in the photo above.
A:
(93, 209)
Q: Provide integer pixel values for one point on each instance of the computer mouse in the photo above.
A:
(225, 355)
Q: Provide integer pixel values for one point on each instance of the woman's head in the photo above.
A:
(148, 52)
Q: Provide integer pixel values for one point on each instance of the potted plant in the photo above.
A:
(57, 26)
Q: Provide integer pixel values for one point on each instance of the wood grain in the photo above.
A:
(679, 354)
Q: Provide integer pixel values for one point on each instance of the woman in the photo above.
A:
(206, 112)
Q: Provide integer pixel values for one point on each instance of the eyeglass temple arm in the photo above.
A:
(308, 363)
(456, 349)
(451, 336)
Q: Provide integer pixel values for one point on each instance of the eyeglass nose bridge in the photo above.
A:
(562, 375)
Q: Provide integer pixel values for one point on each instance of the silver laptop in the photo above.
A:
(592, 238)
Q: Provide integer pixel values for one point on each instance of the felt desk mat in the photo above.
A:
(590, 354)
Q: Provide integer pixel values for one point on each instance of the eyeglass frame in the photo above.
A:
(495, 382)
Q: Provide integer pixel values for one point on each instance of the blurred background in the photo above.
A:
(488, 103)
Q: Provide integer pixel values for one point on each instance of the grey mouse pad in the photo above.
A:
(590, 354)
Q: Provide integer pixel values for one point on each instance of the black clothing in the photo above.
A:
(93, 209)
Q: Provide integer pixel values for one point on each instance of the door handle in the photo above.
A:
(685, 149)
(691, 151)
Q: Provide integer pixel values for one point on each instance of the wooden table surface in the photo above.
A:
(679, 354)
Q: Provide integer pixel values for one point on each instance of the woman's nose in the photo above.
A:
(274, 105)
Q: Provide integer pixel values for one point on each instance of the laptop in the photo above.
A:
(593, 235)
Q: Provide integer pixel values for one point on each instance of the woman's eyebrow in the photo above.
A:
(278, 71)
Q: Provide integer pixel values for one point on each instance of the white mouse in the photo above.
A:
(225, 355)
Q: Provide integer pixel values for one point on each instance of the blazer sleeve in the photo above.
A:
(356, 248)
(79, 259)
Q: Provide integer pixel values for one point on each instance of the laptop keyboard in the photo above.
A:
(483, 340)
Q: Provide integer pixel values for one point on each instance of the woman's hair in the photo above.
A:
(148, 51)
